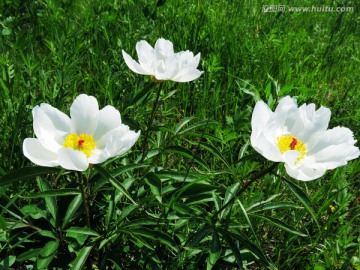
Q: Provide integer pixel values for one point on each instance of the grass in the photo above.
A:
(199, 155)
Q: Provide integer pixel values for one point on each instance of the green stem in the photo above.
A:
(85, 200)
(150, 122)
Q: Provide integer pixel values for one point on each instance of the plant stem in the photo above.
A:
(150, 122)
(85, 200)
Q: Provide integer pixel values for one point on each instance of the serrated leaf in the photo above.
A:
(46, 255)
(26, 173)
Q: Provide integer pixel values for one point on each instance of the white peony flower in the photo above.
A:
(90, 136)
(299, 137)
(162, 63)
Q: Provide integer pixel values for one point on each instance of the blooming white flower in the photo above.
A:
(90, 136)
(162, 63)
(299, 137)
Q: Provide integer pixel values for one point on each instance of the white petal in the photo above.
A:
(188, 76)
(45, 131)
(146, 55)
(60, 120)
(109, 118)
(285, 114)
(98, 156)
(305, 173)
(166, 69)
(133, 65)
(335, 147)
(84, 114)
(261, 116)
(310, 122)
(71, 159)
(163, 48)
(119, 140)
(39, 155)
(290, 157)
(266, 148)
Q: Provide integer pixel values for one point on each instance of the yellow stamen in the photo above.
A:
(288, 142)
(83, 142)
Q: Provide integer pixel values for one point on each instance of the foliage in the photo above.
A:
(194, 194)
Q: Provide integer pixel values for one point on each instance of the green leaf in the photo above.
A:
(155, 184)
(235, 250)
(303, 199)
(7, 262)
(215, 152)
(281, 225)
(71, 210)
(26, 173)
(3, 226)
(156, 236)
(271, 206)
(54, 193)
(50, 202)
(185, 153)
(215, 251)
(198, 236)
(28, 255)
(183, 123)
(114, 182)
(81, 258)
(82, 230)
(46, 254)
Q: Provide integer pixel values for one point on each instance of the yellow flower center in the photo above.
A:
(83, 142)
(288, 142)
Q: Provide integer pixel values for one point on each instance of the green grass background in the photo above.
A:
(51, 51)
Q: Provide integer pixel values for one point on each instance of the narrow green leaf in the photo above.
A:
(7, 262)
(28, 255)
(198, 236)
(185, 153)
(272, 206)
(3, 226)
(235, 250)
(82, 230)
(215, 251)
(26, 173)
(155, 185)
(46, 255)
(156, 236)
(50, 202)
(114, 182)
(215, 152)
(71, 210)
(183, 123)
(301, 195)
(199, 124)
(81, 258)
(54, 193)
(281, 225)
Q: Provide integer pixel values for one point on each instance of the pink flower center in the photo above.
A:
(293, 143)
(80, 143)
